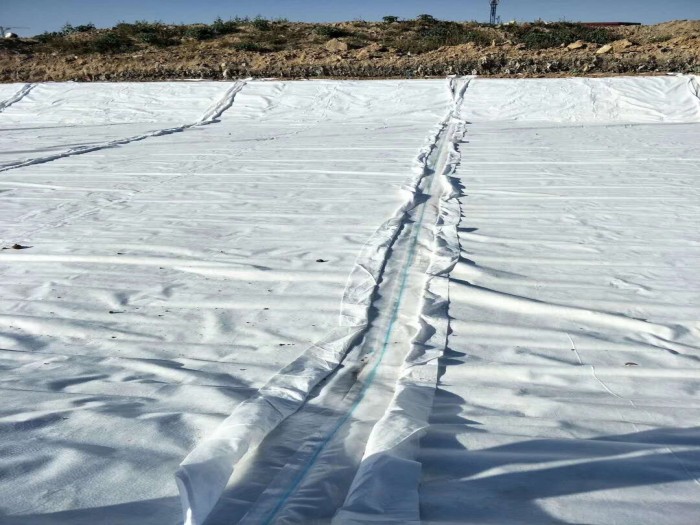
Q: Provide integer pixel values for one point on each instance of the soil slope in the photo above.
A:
(415, 48)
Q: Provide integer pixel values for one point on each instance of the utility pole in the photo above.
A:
(494, 6)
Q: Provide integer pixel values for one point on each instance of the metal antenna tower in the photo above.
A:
(494, 6)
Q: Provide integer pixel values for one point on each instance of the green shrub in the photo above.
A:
(329, 32)
(542, 36)
(437, 35)
(47, 37)
(260, 47)
(126, 28)
(111, 42)
(108, 42)
(221, 27)
(145, 25)
(247, 45)
(261, 24)
(199, 32)
(426, 19)
(153, 33)
(69, 29)
(390, 19)
(155, 39)
(85, 28)
(141, 27)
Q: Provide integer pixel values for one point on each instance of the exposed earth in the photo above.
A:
(424, 47)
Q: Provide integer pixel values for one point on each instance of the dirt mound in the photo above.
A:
(678, 29)
(411, 48)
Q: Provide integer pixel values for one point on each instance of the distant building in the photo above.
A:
(610, 24)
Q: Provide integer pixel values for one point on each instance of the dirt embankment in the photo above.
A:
(417, 48)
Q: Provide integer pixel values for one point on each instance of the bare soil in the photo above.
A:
(409, 49)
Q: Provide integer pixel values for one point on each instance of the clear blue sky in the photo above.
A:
(49, 15)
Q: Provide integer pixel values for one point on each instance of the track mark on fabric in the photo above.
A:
(209, 117)
(205, 472)
(23, 92)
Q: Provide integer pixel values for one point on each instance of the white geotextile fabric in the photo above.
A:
(386, 485)
(170, 278)
(49, 120)
(203, 474)
(569, 388)
(616, 100)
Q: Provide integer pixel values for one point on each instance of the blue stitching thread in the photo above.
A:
(370, 378)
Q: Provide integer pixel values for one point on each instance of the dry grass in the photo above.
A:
(403, 48)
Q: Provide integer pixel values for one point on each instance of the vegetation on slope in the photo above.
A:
(422, 46)
(420, 35)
